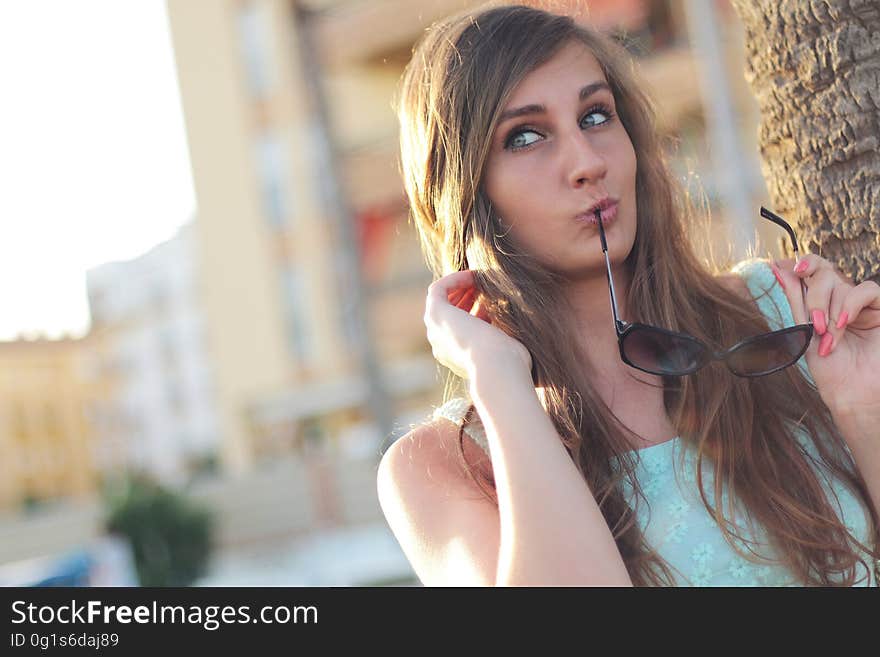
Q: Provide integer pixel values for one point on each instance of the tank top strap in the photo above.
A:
(455, 410)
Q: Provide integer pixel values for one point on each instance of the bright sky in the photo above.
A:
(93, 159)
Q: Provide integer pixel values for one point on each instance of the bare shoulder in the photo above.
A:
(445, 525)
(432, 448)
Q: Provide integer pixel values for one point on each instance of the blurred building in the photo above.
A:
(278, 299)
(149, 338)
(293, 142)
(47, 441)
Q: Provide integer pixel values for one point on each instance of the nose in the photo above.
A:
(584, 163)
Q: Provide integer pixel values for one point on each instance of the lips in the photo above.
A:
(608, 210)
(602, 204)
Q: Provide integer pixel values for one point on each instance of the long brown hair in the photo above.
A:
(461, 74)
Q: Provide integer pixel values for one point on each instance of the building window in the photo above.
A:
(254, 34)
(296, 305)
(273, 169)
(317, 149)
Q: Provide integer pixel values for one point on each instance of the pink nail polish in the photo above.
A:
(778, 277)
(844, 317)
(801, 266)
(819, 321)
(825, 344)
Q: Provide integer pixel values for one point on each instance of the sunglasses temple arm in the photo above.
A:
(779, 221)
(608, 271)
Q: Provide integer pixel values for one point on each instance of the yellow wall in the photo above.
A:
(46, 442)
(238, 278)
(244, 258)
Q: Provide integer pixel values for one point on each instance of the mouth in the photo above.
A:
(607, 208)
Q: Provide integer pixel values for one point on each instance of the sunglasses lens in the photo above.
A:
(661, 353)
(774, 351)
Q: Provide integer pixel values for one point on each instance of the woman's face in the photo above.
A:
(549, 164)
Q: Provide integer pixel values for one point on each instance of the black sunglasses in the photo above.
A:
(659, 351)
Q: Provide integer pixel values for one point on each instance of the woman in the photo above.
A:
(563, 464)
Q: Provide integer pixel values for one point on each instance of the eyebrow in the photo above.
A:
(585, 92)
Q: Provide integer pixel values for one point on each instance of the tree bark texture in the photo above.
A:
(814, 66)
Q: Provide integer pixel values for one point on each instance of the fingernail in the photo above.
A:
(841, 322)
(819, 321)
(825, 344)
(778, 277)
(801, 266)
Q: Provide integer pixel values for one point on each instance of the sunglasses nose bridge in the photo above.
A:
(710, 356)
(719, 355)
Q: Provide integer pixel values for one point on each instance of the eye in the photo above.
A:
(518, 139)
(597, 115)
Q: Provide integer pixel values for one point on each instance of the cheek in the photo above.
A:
(625, 156)
(512, 191)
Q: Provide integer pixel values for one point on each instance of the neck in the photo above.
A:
(590, 298)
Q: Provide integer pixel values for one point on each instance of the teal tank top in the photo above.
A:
(675, 522)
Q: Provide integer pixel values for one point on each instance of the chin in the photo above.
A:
(624, 232)
(618, 252)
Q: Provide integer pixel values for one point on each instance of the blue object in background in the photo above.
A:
(73, 570)
(106, 562)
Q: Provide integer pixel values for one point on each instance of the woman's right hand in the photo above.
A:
(460, 330)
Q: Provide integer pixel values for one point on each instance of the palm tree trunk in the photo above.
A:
(815, 70)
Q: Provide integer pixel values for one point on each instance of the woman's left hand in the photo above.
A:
(844, 360)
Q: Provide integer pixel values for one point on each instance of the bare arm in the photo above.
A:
(547, 528)
(551, 529)
(862, 436)
(445, 526)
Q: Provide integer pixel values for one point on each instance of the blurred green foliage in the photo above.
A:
(31, 502)
(170, 536)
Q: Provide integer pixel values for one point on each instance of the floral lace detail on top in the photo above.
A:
(676, 522)
(455, 410)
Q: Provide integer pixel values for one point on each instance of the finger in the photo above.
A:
(467, 299)
(819, 278)
(480, 311)
(835, 307)
(862, 306)
(860, 299)
(808, 264)
(834, 335)
(791, 285)
(457, 279)
(820, 287)
(439, 290)
(455, 296)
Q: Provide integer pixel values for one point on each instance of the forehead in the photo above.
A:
(565, 73)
